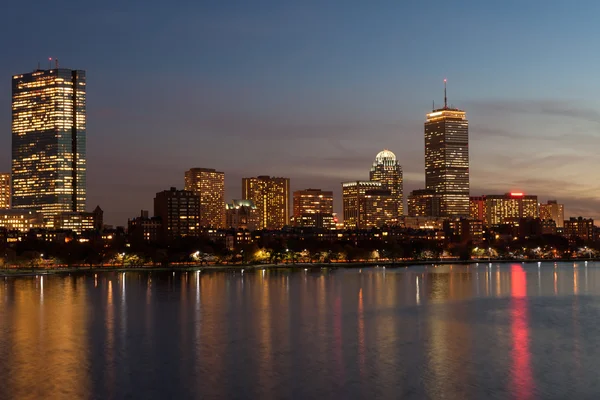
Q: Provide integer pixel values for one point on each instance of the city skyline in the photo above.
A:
(318, 115)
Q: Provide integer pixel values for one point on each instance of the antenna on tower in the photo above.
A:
(445, 98)
(433, 105)
(56, 63)
(49, 62)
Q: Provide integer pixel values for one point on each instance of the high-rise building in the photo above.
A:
(447, 158)
(4, 191)
(387, 170)
(209, 185)
(49, 141)
(477, 208)
(423, 203)
(366, 204)
(553, 211)
(313, 208)
(272, 199)
(242, 214)
(510, 207)
(179, 212)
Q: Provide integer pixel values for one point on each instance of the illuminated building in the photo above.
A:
(4, 191)
(49, 141)
(553, 211)
(313, 208)
(464, 230)
(144, 228)
(209, 185)
(477, 208)
(422, 223)
(423, 203)
(366, 205)
(272, 199)
(447, 159)
(582, 228)
(21, 220)
(242, 214)
(179, 211)
(77, 222)
(509, 207)
(387, 170)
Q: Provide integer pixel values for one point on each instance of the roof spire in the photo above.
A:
(445, 98)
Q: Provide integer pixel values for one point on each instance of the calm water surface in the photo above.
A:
(513, 331)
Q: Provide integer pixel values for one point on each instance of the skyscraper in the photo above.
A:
(4, 191)
(313, 208)
(387, 170)
(366, 204)
(447, 158)
(553, 211)
(272, 199)
(209, 185)
(510, 207)
(49, 141)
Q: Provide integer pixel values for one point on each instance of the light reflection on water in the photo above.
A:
(501, 331)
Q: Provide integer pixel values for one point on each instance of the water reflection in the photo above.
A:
(438, 331)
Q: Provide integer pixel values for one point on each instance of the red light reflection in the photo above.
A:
(522, 380)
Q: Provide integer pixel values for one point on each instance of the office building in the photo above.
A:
(447, 159)
(209, 185)
(77, 222)
(366, 204)
(49, 141)
(423, 203)
(242, 214)
(387, 170)
(272, 199)
(553, 211)
(313, 208)
(464, 230)
(179, 212)
(509, 208)
(4, 191)
(477, 209)
(144, 228)
(579, 228)
(20, 220)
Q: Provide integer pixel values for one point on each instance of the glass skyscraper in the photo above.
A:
(49, 141)
(447, 159)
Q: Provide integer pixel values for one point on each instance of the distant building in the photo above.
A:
(477, 209)
(209, 185)
(447, 159)
(422, 223)
(313, 208)
(366, 205)
(242, 214)
(582, 228)
(179, 211)
(49, 141)
(4, 191)
(387, 170)
(144, 228)
(510, 206)
(423, 203)
(464, 230)
(21, 220)
(271, 196)
(553, 211)
(77, 222)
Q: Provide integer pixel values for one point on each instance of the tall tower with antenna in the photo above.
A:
(447, 158)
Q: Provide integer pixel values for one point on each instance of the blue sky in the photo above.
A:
(312, 90)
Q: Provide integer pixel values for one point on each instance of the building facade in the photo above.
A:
(77, 222)
(313, 208)
(423, 203)
(477, 209)
(49, 141)
(242, 214)
(366, 204)
(4, 191)
(179, 212)
(510, 207)
(553, 211)
(21, 220)
(582, 228)
(144, 228)
(209, 185)
(271, 196)
(387, 170)
(447, 159)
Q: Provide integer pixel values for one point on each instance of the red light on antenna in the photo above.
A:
(445, 80)
(49, 58)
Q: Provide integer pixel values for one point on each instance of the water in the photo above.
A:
(513, 331)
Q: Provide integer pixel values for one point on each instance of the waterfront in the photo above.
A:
(454, 331)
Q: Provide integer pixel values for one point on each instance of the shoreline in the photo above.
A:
(16, 272)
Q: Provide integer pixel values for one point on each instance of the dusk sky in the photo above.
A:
(313, 90)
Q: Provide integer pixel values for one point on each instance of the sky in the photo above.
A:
(313, 90)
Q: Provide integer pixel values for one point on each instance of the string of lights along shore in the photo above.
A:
(46, 189)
